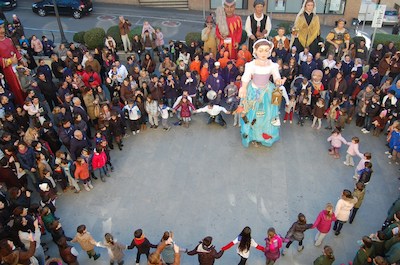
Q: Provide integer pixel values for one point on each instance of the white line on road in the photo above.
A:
(52, 30)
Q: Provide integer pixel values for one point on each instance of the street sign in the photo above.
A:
(379, 14)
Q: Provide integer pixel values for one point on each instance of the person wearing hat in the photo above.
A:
(339, 39)
(307, 29)
(208, 36)
(206, 252)
(229, 27)
(10, 56)
(258, 25)
(216, 83)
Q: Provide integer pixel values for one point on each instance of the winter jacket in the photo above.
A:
(272, 247)
(323, 260)
(116, 127)
(363, 254)
(336, 140)
(319, 111)
(296, 231)
(395, 141)
(99, 160)
(359, 194)
(206, 255)
(323, 223)
(81, 171)
(115, 251)
(353, 150)
(343, 208)
(77, 146)
(151, 108)
(185, 108)
(143, 245)
(85, 240)
(27, 159)
(243, 253)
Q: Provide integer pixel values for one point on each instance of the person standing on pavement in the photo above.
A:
(245, 241)
(342, 210)
(296, 233)
(327, 258)
(323, 223)
(124, 28)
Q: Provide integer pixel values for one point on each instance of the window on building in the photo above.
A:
(293, 6)
(240, 4)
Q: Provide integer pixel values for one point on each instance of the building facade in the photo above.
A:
(328, 10)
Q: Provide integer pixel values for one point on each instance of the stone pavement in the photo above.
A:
(201, 181)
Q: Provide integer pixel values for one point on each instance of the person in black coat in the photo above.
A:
(48, 89)
(51, 137)
(66, 133)
(142, 243)
(206, 252)
(117, 128)
(78, 143)
(306, 68)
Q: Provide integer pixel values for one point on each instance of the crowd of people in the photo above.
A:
(61, 121)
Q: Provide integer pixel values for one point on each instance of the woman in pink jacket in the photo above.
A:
(36, 45)
(323, 223)
(273, 244)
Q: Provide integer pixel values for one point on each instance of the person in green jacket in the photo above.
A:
(393, 255)
(327, 258)
(394, 208)
(365, 253)
(359, 193)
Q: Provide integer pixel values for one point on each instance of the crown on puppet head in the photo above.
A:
(228, 2)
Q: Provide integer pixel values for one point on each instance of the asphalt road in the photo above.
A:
(174, 24)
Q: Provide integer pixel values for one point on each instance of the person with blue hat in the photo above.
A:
(9, 56)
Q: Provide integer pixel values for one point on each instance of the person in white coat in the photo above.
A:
(342, 210)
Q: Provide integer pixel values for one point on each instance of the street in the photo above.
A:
(106, 15)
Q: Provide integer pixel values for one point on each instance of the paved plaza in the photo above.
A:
(201, 181)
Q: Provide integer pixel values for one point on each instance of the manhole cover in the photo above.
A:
(106, 17)
(172, 24)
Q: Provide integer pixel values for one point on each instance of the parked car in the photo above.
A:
(390, 18)
(76, 8)
(8, 4)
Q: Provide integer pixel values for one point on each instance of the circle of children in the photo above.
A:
(96, 90)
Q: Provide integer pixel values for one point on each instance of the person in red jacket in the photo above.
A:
(82, 173)
(99, 161)
(245, 242)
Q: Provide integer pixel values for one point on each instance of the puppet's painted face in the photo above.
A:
(229, 9)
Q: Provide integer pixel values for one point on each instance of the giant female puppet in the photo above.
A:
(9, 57)
(261, 98)
(306, 31)
(229, 27)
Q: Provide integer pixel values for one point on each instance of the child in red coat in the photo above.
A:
(186, 108)
(82, 173)
(99, 161)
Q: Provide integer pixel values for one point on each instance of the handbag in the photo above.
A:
(276, 97)
(97, 110)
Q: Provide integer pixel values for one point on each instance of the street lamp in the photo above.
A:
(60, 27)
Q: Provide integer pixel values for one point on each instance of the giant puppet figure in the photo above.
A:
(258, 25)
(9, 57)
(261, 98)
(306, 31)
(229, 27)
